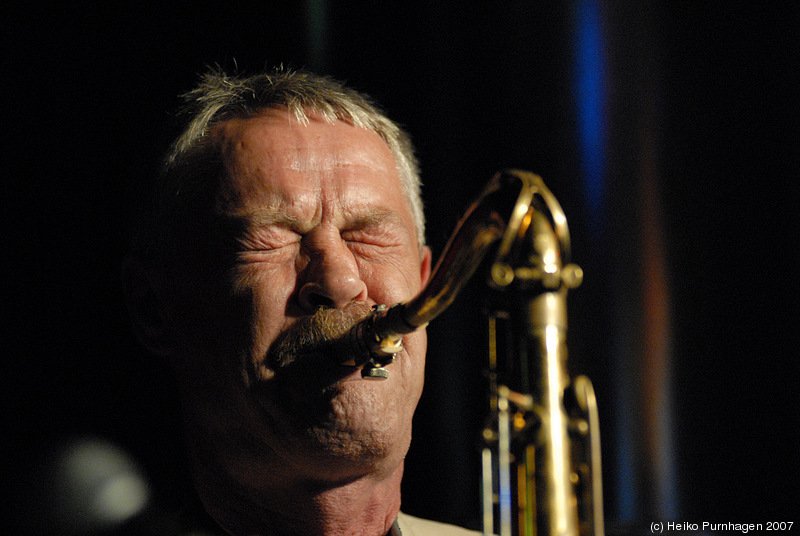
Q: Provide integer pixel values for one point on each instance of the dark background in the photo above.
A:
(712, 87)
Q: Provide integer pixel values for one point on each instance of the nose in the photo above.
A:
(331, 279)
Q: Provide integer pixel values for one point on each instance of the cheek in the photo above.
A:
(266, 294)
(232, 318)
(412, 361)
(391, 280)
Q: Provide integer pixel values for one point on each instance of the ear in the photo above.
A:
(425, 266)
(143, 287)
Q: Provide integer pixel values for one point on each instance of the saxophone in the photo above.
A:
(541, 472)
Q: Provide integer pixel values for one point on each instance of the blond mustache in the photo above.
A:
(315, 333)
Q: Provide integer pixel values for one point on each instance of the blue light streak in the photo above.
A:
(590, 93)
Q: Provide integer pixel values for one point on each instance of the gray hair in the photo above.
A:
(220, 97)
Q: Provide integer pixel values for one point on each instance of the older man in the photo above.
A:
(287, 208)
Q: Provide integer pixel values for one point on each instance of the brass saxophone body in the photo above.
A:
(541, 457)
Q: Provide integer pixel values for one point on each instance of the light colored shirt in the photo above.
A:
(407, 525)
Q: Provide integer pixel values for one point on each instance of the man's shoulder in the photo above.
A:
(414, 526)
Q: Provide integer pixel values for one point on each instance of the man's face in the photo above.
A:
(304, 217)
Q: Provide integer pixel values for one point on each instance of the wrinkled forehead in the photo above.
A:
(315, 145)
(274, 161)
(274, 147)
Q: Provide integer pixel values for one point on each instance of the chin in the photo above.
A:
(373, 437)
(338, 458)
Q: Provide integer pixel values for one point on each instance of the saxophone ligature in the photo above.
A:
(541, 457)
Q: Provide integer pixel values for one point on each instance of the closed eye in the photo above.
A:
(272, 246)
(372, 236)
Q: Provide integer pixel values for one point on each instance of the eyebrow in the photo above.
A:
(374, 217)
(268, 218)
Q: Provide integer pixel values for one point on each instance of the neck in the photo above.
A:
(365, 506)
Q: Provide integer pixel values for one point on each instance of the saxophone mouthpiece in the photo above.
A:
(373, 343)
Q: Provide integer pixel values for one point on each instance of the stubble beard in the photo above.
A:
(307, 405)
